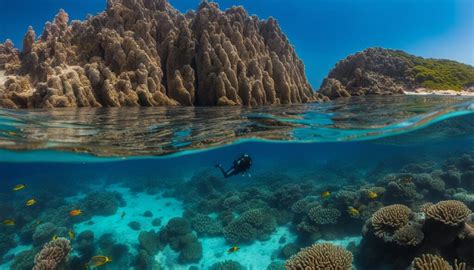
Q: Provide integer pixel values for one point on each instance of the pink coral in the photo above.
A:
(53, 254)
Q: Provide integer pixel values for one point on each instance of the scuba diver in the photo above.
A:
(240, 166)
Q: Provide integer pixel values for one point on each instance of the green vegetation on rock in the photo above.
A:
(438, 74)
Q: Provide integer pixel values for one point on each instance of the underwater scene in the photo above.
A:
(362, 183)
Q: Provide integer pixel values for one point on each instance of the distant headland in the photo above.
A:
(146, 53)
(378, 71)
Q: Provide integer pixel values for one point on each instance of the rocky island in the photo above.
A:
(146, 53)
(378, 71)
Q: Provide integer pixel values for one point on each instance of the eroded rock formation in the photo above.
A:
(146, 53)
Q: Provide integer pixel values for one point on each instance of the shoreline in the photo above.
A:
(426, 92)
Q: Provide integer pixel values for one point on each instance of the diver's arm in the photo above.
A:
(226, 174)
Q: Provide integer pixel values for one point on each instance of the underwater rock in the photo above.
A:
(101, 203)
(53, 255)
(148, 214)
(285, 196)
(84, 244)
(227, 265)
(178, 234)
(144, 261)
(289, 250)
(320, 256)
(106, 241)
(138, 53)
(276, 266)
(134, 225)
(24, 260)
(7, 241)
(405, 193)
(190, 250)
(45, 232)
(149, 242)
(156, 222)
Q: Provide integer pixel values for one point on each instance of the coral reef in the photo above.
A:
(320, 256)
(142, 53)
(448, 212)
(227, 265)
(389, 219)
(149, 242)
(428, 261)
(24, 260)
(101, 203)
(252, 224)
(53, 255)
(397, 234)
(178, 234)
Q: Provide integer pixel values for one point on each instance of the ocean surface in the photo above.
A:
(151, 196)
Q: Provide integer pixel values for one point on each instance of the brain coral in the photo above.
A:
(321, 256)
(449, 212)
(388, 219)
(53, 254)
(433, 262)
(320, 215)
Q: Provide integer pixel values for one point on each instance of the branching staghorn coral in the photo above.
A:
(321, 257)
(53, 254)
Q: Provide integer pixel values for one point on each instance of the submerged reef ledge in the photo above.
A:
(146, 53)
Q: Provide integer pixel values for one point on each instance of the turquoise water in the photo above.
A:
(133, 171)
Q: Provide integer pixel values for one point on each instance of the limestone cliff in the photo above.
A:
(146, 53)
(378, 71)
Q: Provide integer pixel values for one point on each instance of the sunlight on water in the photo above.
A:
(178, 130)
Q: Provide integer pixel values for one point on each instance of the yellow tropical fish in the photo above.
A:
(98, 260)
(353, 211)
(75, 212)
(71, 234)
(325, 194)
(31, 202)
(54, 237)
(233, 249)
(19, 187)
(372, 195)
(9, 222)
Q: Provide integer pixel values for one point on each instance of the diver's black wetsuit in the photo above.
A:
(240, 165)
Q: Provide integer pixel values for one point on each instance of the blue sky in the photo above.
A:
(323, 31)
